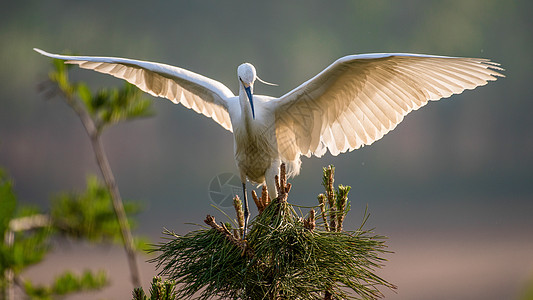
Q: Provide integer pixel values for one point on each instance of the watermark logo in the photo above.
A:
(222, 189)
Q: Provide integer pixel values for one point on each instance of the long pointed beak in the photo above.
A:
(250, 98)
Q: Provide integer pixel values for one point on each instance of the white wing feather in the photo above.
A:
(204, 95)
(359, 98)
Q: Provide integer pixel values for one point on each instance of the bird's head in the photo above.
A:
(247, 76)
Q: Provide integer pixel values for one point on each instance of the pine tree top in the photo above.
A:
(285, 255)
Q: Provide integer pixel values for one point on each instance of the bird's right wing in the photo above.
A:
(204, 95)
(359, 98)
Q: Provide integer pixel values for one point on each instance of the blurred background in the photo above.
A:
(451, 186)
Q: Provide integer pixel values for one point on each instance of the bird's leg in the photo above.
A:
(246, 212)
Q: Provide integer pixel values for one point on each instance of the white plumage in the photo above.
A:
(352, 103)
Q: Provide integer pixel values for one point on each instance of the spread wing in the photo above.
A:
(359, 98)
(204, 95)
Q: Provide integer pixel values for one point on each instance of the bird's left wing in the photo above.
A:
(204, 95)
(359, 98)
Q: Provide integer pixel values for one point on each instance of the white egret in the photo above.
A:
(352, 103)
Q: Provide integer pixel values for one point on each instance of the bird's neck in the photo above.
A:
(246, 110)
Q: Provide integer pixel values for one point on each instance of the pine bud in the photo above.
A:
(237, 204)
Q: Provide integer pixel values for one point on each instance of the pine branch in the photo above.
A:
(29, 222)
(210, 220)
(327, 182)
(341, 196)
(159, 290)
(106, 110)
(118, 207)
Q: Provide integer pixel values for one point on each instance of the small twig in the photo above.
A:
(210, 220)
(9, 274)
(30, 222)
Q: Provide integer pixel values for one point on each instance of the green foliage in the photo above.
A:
(8, 203)
(67, 283)
(90, 214)
(107, 106)
(18, 249)
(285, 258)
(60, 77)
(29, 247)
(159, 290)
(110, 106)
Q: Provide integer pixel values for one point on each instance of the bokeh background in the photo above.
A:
(451, 186)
